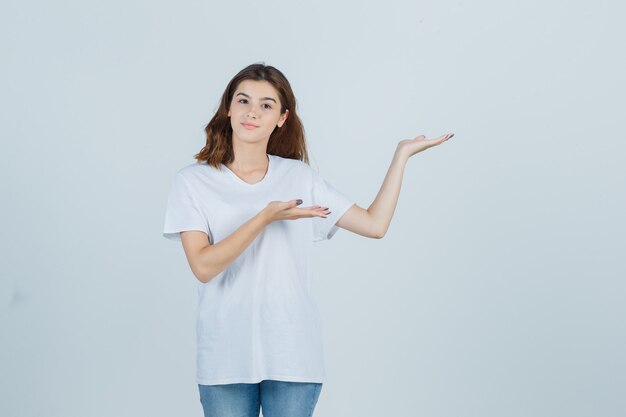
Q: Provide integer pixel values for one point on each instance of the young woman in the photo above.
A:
(247, 213)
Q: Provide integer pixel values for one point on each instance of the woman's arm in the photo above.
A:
(208, 260)
(375, 221)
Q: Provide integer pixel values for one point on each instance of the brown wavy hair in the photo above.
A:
(287, 141)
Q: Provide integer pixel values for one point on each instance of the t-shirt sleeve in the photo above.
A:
(182, 211)
(325, 195)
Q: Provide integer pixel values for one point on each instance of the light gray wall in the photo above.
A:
(499, 288)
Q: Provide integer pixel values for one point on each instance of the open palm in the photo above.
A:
(410, 147)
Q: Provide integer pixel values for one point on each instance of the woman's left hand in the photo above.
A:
(409, 147)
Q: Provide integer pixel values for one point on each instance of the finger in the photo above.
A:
(443, 138)
(312, 212)
(293, 203)
(324, 211)
(312, 209)
(287, 205)
(317, 213)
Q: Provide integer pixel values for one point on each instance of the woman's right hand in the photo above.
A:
(289, 210)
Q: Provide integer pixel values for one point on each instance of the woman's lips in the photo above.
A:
(249, 127)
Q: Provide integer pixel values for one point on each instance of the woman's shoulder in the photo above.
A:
(293, 165)
(196, 170)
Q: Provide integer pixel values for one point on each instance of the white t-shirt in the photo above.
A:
(257, 319)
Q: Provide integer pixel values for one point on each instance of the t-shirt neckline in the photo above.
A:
(261, 181)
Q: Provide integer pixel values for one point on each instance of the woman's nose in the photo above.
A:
(253, 111)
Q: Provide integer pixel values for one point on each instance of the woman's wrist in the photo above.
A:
(400, 154)
(263, 217)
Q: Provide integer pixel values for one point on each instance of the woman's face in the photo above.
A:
(255, 103)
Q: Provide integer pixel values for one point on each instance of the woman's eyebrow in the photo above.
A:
(264, 98)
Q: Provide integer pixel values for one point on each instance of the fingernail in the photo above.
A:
(298, 202)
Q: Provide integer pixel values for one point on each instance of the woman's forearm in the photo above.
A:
(215, 258)
(382, 208)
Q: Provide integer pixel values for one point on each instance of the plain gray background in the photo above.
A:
(498, 289)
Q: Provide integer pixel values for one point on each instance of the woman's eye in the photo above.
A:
(264, 104)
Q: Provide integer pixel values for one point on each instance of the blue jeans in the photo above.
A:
(277, 398)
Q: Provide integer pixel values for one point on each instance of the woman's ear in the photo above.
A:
(283, 118)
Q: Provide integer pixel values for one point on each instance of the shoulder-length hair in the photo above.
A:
(287, 141)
